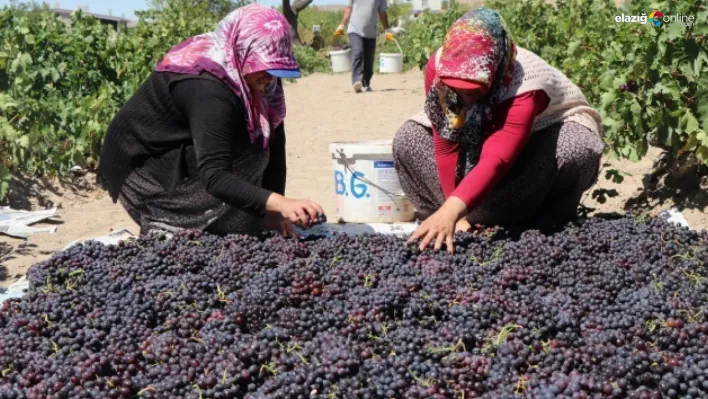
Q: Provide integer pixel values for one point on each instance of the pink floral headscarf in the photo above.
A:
(477, 48)
(250, 39)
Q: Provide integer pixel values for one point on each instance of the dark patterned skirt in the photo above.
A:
(190, 206)
(548, 179)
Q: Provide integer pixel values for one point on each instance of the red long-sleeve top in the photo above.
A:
(510, 129)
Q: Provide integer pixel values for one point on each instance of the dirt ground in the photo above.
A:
(321, 109)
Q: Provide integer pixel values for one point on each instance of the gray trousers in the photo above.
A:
(363, 52)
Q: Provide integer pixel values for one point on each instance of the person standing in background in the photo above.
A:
(362, 16)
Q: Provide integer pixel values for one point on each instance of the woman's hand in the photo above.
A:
(441, 225)
(299, 212)
(275, 221)
(463, 225)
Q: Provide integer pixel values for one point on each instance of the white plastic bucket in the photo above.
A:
(390, 62)
(366, 184)
(341, 60)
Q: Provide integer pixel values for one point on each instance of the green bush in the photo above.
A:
(60, 87)
(661, 67)
(425, 35)
(328, 22)
(58, 91)
(311, 61)
(666, 64)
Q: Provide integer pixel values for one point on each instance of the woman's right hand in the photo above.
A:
(300, 212)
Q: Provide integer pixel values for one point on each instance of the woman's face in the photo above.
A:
(470, 97)
(458, 102)
(258, 81)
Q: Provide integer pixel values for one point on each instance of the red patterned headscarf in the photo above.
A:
(477, 48)
(251, 39)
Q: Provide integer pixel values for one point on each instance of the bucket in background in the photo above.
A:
(366, 184)
(341, 60)
(390, 62)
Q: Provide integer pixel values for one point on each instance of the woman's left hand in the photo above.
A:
(440, 226)
(274, 221)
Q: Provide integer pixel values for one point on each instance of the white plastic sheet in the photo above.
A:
(675, 216)
(111, 239)
(16, 223)
(16, 290)
(327, 229)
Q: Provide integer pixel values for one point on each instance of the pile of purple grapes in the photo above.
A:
(604, 309)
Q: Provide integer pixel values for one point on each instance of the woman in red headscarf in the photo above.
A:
(505, 138)
(201, 144)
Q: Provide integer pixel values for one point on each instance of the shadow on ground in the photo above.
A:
(681, 182)
(9, 252)
(29, 193)
(375, 91)
(5, 255)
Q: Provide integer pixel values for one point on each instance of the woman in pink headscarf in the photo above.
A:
(201, 144)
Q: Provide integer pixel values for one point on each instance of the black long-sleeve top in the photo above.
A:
(180, 126)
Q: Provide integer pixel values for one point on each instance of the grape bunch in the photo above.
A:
(631, 86)
(321, 219)
(603, 309)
